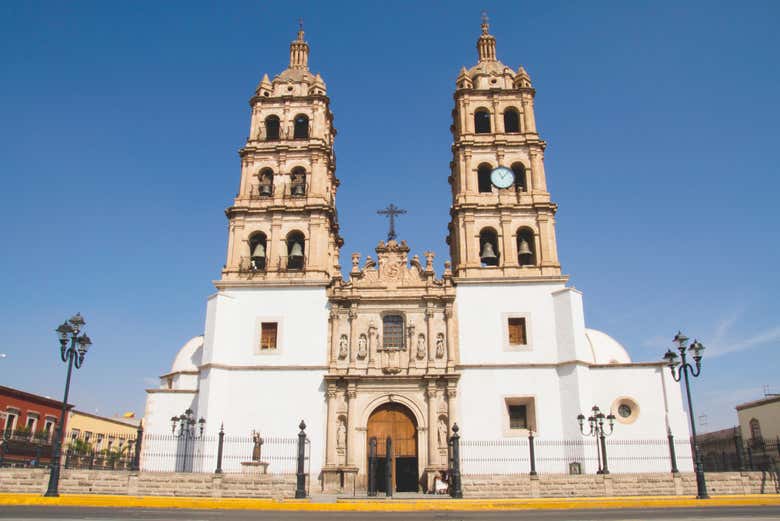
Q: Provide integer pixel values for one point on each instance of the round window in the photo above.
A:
(625, 409)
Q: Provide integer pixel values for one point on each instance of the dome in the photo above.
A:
(605, 349)
(188, 357)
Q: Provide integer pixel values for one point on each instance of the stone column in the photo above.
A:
(448, 324)
(466, 174)
(471, 248)
(352, 334)
(508, 258)
(452, 406)
(351, 423)
(528, 113)
(331, 458)
(544, 242)
(334, 335)
(537, 170)
(433, 446)
(372, 346)
(276, 243)
(429, 332)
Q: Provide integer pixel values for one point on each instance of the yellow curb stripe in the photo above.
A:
(391, 505)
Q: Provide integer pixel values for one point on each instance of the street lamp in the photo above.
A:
(73, 349)
(596, 429)
(684, 368)
(186, 423)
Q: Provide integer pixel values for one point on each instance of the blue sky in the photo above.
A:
(120, 124)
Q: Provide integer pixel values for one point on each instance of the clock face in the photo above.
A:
(502, 177)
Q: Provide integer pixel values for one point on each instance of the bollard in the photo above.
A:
(219, 449)
(672, 453)
(389, 467)
(300, 488)
(372, 466)
(531, 453)
(455, 488)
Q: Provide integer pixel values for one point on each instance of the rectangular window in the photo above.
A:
(48, 426)
(518, 418)
(393, 332)
(268, 335)
(517, 332)
(10, 422)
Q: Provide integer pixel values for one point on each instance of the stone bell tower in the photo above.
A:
(283, 222)
(502, 220)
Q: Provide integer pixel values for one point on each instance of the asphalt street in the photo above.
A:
(114, 514)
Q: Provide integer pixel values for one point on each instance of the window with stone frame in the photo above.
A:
(518, 416)
(268, 335)
(517, 331)
(393, 332)
(10, 421)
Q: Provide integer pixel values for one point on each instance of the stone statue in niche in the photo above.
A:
(343, 347)
(362, 346)
(341, 434)
(440, 345)
(443, 431)
(421, 346)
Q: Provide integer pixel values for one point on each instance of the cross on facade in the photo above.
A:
(391, 211)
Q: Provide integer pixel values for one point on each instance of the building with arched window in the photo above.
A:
(387, 348)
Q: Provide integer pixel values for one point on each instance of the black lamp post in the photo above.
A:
(73, 348)
(597, 430)
(186, 423)
(684, 368)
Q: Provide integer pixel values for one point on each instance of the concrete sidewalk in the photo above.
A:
(386, 505)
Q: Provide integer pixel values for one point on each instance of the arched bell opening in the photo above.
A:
(296, 245)
(484, 185)
(526, 247)
(488, 247)
(266, 177)
(272, 128)
(258, 243)
(396, 422)
(298, 182)
(511, 121)
(301, 127)
(521, 182)
(482, 121)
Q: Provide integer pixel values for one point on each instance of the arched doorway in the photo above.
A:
(397, 422)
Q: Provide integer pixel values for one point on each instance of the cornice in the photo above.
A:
(171, 391)
(230, 367)
(174, 373)
(551, 365)
(275, 283)
(534, 279)
(263, 100)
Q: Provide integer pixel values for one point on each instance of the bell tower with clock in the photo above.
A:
(502, 223)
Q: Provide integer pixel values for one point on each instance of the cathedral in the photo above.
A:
(386, 347)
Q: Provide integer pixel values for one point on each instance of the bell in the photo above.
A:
(488, 256)
(265, 189)
(259, 251)
(297, 250)
(523, 248)
(298, 189)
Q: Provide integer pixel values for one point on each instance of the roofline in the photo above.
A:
(24, 395)
(104, 418)
(756, 403)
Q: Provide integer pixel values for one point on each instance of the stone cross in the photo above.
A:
(391, 211)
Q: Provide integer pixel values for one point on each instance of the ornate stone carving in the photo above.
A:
(343, 347)
(442, 431)
(440, 345)
(341, 434)
(421, 346)
(362, 346)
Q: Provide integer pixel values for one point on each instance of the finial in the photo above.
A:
(300, 29)
(485, 25)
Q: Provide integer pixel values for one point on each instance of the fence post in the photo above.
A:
(300, 488)
(219, 448)
(738, 449)
(531, 453)
(455, 488)
(2, 451)
(672, 453)
(389, 467)
(372, 466)
(139, 436)
(750, 458)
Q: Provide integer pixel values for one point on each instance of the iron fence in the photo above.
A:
(512, 456)
(726, 451)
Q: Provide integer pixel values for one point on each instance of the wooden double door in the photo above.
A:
(397, 422)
